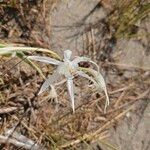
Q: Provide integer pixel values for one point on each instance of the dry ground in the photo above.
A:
(87, 28)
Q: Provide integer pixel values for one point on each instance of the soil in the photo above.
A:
(133, 132)
(74, 25)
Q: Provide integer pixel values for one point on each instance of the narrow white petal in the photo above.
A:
(50, 80)
(71, 91)
(45, 85)
(84, 59)
(95, 64)
(80, 59)
(102, 85)
(98, 81)
(107, 100)
(83, 74)
(45, 59)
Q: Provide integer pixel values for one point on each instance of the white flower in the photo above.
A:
(69, 68)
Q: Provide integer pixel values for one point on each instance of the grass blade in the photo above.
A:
(10, 49)
(45, 59)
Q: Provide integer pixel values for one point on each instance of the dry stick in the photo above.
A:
(130, 103)
(93, 43)
(88, 43)
(4, 139)
(102, 135)
(15, 127)
(33, 131)
(122, 89)
(1, 97)
(21, 138)
(114, 92)
(32, 110)
(108, 145)
(119, 99)
(90, 136)
(83, 43)
(127, 66)
(7, 110)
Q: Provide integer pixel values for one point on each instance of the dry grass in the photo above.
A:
(126, 15)
(51, 123)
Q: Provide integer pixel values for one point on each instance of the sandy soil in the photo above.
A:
(133, 132)
(81, 26)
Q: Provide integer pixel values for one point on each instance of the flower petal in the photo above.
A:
(83, 74)
(71, 91)
(102, 85)
(99, 83)
(45, 59)
(84, 59)
(50, 80)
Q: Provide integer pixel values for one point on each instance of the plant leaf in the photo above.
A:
(22, 56)
(45, 59)
(10, 49)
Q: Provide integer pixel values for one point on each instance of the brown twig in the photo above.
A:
(128, 66)
(8, 110)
